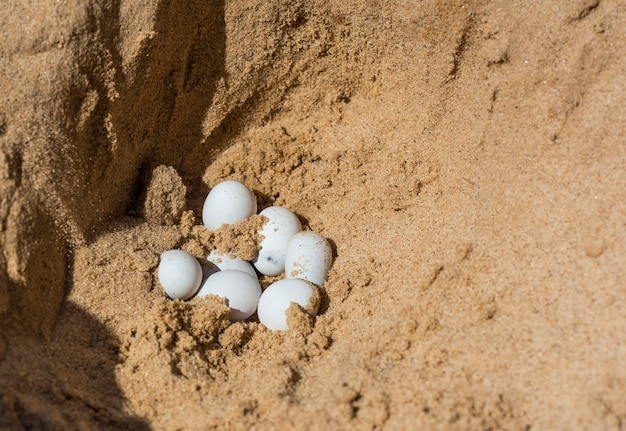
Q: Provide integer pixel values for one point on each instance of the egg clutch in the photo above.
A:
(304, 256)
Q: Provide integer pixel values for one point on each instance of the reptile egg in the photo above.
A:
(241, 289)
(225, 262)
(228, 202)
(308, 257)
(280, 227)
(179, 273)
(277, 298)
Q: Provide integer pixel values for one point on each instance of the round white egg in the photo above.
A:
(180, 274)
(225, 262)
(308, 257)
(229, 202)
(277, 298)
(280, 227)
(241, 289)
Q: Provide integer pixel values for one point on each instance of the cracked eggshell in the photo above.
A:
(179, 273)
(308, 257)
(280, 227)
(225, 262)
(229, 202)
(277, 298)
(241, 289)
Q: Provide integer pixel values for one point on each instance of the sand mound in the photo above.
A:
(465, 160)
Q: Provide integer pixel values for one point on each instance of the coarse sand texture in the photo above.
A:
(464, 160)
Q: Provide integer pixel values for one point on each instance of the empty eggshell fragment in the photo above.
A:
(180, 274)
(229, 202)
(277, 298)
(225, 262)
(241, 289)
(308, 257)
(280, 227)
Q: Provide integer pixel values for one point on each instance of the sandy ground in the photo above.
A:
(464, 159)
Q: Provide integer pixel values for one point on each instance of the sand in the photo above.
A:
(464, 159)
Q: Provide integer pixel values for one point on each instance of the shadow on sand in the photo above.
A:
(67, 382)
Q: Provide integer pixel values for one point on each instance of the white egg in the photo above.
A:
(228, 202)
(277, 298)
(241, 289)
(225, 262)
(180, 274)
(280, 227)
(308, 257)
